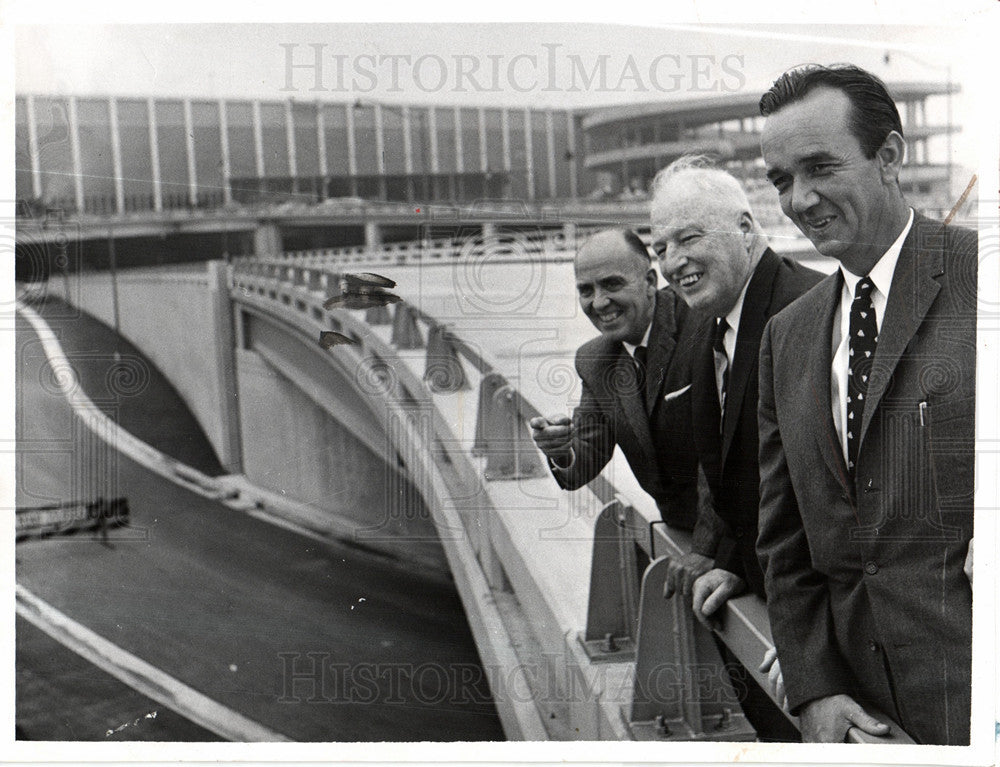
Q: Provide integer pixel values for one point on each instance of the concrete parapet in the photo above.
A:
(443, 371)
(405, 333)
(502, 433)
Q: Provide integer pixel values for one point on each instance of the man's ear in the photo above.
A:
(652, 279)
(746, 223)
(890, 157)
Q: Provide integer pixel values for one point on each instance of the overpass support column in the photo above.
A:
(569, 235)
(373, 235)
(267, 240)
(230, 454)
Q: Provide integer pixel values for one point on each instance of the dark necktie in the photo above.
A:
(861, 353)
(721, 361)
(640, 370)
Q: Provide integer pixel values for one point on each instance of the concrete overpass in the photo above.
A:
(563, 591)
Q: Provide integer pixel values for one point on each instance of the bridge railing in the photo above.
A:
(628, 620)
(502, 246)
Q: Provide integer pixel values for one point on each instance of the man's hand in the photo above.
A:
(827, 720)
(775, 682)
(968, 562)
(554, 436)
(683, 572)
(711, 591)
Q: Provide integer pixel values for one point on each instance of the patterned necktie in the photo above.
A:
(861, 353)
(721, 361)
(640, 370)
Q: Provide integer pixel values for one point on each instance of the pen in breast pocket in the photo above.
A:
(922, 407)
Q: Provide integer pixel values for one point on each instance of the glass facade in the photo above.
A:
(518, 188)
(365, 151)
(265, 166)
(540, 153)
(306, 139)
(335, 140)
(137, 158)
(55, 154)
(96, 166)
(275, 141)
(207, 152)
(392, 137)
(172, 147)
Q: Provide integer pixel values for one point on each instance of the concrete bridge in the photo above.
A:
(426, 421)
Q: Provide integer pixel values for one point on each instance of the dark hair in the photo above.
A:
(873, 112)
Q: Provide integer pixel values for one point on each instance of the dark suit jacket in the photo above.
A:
(656, 439)
(729, 458)
(865, 586)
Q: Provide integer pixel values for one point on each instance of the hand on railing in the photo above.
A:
(775, 681)
(711, 591)
(827, 720)
(683, 571)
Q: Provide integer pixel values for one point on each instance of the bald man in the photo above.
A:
(635, 384)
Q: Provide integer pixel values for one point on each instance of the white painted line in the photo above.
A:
(139, 675)
(121, 664)
(106, 428)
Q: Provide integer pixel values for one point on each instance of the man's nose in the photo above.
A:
(803, 197)
(600, 299)
(670, 261)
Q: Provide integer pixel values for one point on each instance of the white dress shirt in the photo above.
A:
(630, 348)
(729, 339)
(881, 277)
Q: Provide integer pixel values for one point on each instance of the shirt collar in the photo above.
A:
(645, 341)
(733, 316)
(881, 273)
(630, 348)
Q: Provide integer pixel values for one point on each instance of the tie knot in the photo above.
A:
(864, 288)
(640, 355)
(719, 336)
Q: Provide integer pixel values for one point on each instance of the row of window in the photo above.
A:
(463, 142)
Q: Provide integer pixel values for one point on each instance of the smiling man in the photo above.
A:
(715, 254)
(867, 388)
(634, 381)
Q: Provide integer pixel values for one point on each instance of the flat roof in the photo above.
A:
(735, 106)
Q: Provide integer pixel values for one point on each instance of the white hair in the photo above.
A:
(720, 187)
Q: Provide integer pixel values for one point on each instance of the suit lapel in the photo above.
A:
(626, 391)
(814, 345)
(611, 373)
(659, 351)
(753, 317)
(911, 294)
(705, 397)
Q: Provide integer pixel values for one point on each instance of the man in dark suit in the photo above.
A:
(713, 250)
(867, 387)
(634, 383)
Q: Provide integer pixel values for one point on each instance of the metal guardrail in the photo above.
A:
(627, 615)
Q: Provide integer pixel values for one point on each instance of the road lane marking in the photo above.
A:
(106, 428)
(140, 675)
(130, 669)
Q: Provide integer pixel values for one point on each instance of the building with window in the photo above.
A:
(113, 155)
